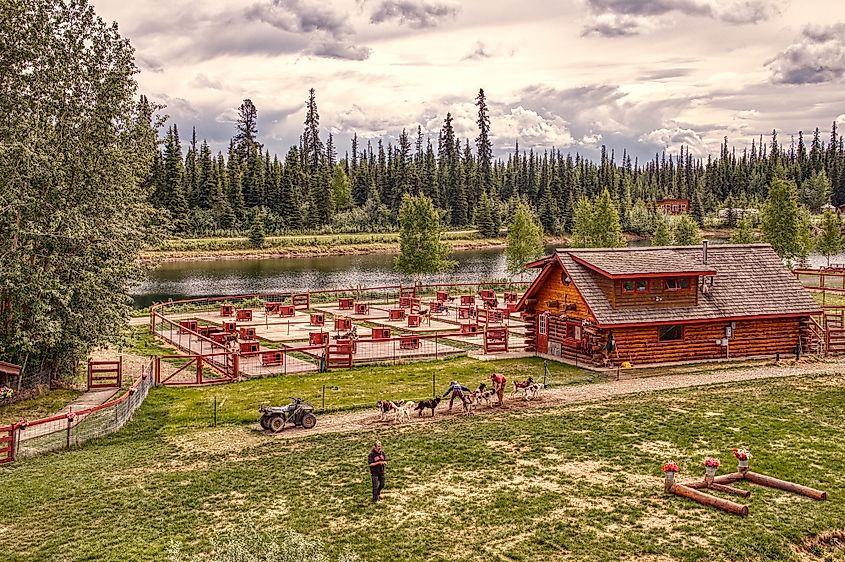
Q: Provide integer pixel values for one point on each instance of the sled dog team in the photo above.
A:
(470, 399)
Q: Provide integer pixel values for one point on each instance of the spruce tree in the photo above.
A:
(815, 191)
(421, 249)
(257, 233)
(829, 241)
(582, 223)
(483, 217)
(312, 146)
(525, 240)
(293, 179)
(246, 137)
(483, 145)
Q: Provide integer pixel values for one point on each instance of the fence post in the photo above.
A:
(157, 368)
(324, 397)
(199, 369)
(236, 365)
(436, 356)
(215, 410)
(69, 422)
(434, 384)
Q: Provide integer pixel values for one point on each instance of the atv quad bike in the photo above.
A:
(298, 412)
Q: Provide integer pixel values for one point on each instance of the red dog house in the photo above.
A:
(219, 337)
(362, 308)
(249, 346)
(230, 327)
(318, 319)
(381, 334)
(318, 338)
(247, 333)
(465, 311)
(397, 314)
(345, 303)
(342, 323)
(467, 300)
(187, 326)
(272, 358)
(206, 330)
(442, 296)
(487, 294)
(287, 310)
(404, 302)
(244, 315)
(409, 342)
(510, 297)
(414, 320)
(227, 310)
(272, 307)
(469, 328)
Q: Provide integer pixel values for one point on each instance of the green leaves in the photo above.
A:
(525, 239)
(421, 249)
(75, 154)
(596, 223)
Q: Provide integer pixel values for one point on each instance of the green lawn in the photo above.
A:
(580, 482)
(38, 407)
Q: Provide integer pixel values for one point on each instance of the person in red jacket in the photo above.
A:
(499, 381)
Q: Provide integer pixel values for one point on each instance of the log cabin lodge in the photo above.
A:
(665, 304)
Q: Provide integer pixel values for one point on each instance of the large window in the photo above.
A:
(542, 328)
(677, 284)
(671, 333)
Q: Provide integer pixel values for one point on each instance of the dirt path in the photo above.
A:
(369, 420)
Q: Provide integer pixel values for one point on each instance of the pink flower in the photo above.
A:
(711, 462)
(742, 454)
(670, 467)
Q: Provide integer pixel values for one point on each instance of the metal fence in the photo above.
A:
(29, 438)
(297, 335)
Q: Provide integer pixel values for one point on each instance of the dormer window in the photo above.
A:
(676, 283)
(635, 286)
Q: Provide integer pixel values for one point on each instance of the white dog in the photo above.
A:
(532, 390)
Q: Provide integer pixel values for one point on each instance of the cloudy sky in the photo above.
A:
(572, 74)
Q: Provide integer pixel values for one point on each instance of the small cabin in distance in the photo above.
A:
(666, 304)
(674, 206)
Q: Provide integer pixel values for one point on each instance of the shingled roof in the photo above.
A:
(749, 280)
(641, 261)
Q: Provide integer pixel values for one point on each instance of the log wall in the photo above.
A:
(566, 296)
(752, 337)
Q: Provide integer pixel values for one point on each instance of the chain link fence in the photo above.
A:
(67, 429)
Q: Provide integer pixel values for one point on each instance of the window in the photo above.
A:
(628, 286)
(542, 322)
(677, 284)
(642, 286)
(671, 333)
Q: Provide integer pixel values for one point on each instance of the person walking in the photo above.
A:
(499, 381)
(377, 462)
(457, 390)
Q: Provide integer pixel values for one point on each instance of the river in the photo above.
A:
(180, 280)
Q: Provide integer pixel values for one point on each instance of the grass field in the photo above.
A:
(579, 482)
(35, 408)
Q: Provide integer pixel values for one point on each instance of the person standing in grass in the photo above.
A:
(457, 390)
(499, 381)
(377, 461)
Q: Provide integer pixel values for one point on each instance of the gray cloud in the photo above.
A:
(479, 51)
(330, 34)
(622, 18)
(413, 13)
(818, 56)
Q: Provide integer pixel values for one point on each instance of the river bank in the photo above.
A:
(208, 249)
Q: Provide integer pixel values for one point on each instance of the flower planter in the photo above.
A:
(743, 464)
(711, 470)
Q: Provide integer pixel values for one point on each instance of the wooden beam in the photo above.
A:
(770, 482)
(708, 500)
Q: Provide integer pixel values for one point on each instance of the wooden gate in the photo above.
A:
(7, 444)
(105, 374)
(339, 355)
(495, 340)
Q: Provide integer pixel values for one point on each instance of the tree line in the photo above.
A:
(310, 188)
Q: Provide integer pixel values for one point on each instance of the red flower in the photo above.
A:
(670, 467)
(711, 462)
